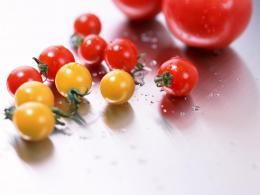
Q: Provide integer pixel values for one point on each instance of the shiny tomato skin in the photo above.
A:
(21, 75)
(184, 76)
(73, 76)
(117, 87)
(34, 91)
(92, 49)
(87, 24)
(34, 121)
(210, 24)
(121, 54)
(139, 9)
(55, 57)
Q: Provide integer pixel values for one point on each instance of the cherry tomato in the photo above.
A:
(139, 9)
(21, 75)
(92, 49)
(177, 77)
(73, 76)
(121, 54)
(55, 57)
(34, 121)
(117, 87)
(34, 91)
(207, 24)
(87, 24)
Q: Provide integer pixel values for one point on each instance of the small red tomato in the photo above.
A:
(139, 9)
(21, 75)
(207, 24)
(121, 54)
(55, 57)
(87, 24)
(92, 49)
(177, 77)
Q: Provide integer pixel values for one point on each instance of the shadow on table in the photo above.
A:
(227, 92)
(118, 117)
(34, 152)
(177, 111)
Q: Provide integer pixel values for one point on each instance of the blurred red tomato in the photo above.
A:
(139, 9)
(211, 24)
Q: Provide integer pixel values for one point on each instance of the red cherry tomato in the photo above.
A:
(177, 77)
(92, 49)
(87, 24)
(139, 9)
(207, 24)
(21, 75)
(55, 57)
(121, 54)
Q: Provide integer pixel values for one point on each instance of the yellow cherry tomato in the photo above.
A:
(73, 76)
(34, 121)
(34, 91)
(117, 87)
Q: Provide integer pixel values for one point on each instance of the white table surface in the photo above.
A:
(136, 149)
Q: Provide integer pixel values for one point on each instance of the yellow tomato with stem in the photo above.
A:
(34, 91)
(117, 87)
(34, 121)
(73, 76)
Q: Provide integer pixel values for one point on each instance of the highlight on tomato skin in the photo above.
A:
(207, 24)
(177, 77)
(139, 9)
(52, 59)
(21, 75)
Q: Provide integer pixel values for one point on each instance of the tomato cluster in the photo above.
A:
(35, 115)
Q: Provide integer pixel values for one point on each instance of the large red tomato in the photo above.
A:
(211, 24)
(139, 9)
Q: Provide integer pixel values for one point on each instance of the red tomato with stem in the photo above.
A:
(54, 57)
(207, 24)
(121, 54)
(21, 75)
(87, 24)
(139, 9)
(92, 49)
(177, 77)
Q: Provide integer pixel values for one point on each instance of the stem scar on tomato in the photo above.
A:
(164, 80)
(75, 98)
(42, 67)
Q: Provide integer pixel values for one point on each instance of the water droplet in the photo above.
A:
(195, 108)
(182, 114)
(154, 46)
(153, 63)
(164, 110)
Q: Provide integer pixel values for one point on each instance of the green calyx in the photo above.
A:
(9, 112)
(164, 80)
(76, 40)
(42, 67)
(75, 98)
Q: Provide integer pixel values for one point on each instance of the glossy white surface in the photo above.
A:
(208, 146)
